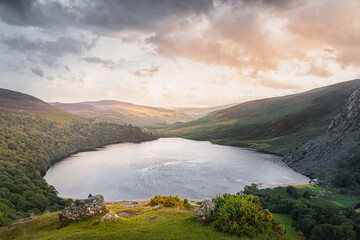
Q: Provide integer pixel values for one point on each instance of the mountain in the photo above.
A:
(34, 135)
(196, 113)
(19, 102)
(275, 124)
(334, 156)
(125, 113)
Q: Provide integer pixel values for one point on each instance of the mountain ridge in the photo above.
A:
(334, 156)
(275, 125)
(139, 115)
(20, 102)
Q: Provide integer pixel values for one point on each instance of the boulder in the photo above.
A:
(109, 216)
(83, 209)
(204, 213)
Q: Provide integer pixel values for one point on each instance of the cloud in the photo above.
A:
(38, 72)
(146, 72)
(111, 15)
(47, 52)
(44, 14)
(274, 4)
(106, 63)
(262, 36)
(57, 48)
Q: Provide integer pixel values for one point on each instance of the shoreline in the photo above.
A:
(142, 201)
(53, 162)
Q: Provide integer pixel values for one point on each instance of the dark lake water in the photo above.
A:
(168, 166)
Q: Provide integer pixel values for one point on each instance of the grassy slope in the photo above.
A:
(275, 124)
(19, 102)
(150, 223)
(165, 223)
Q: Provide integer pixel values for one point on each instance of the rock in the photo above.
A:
(206, 210)
(320, 157)
(109, 216)
(22, 220)
(83, 209)
(349, 117)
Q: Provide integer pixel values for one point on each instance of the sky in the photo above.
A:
(176, 53)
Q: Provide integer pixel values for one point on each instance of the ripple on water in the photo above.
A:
(168, 166)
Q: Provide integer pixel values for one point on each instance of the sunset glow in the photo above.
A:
(176, 53)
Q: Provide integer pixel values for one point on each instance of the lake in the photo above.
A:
(168, 166)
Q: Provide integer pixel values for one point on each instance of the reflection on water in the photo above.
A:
(168, 166)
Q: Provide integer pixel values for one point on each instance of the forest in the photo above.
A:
(315, 212)
(29, 144)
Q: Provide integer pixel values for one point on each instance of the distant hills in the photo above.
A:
(19, 102)
(275, 124)
(137, 115)
(196, 113)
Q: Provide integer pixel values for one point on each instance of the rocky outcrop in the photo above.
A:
(320, 157)
(83, 209)
(207, 208)
(348, 119)
(109, 216)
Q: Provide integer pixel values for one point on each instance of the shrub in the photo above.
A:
(292, 192)
(170, 201)
(242, 215)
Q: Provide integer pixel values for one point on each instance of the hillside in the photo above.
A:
(34, 135)
(19, 102)
(334, 157)
(125, 113)
(146, 223)
(276, 124)
(199, 112)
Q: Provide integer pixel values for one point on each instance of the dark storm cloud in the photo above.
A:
(38, 72)
(34, 13)
(277, 4)
(110, 15)
(106, 63)
(55, 49)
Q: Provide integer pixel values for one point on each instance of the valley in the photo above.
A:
(37, 138)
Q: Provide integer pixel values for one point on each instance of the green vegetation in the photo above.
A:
(347, 177)
(147, 223)
(170, 201)
(317, 212)
(286, 221)
(30, 143)
(275, 125)
(242, 215)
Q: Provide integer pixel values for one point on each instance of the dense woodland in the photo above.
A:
(29, 144)
(312, 214)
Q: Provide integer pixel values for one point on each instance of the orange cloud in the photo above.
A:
(308, 37)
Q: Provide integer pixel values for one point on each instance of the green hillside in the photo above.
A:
(34, 135)
(276, 124)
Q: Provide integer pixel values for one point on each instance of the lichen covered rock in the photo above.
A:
(206, 210)
(83, 209)
(109, 216)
